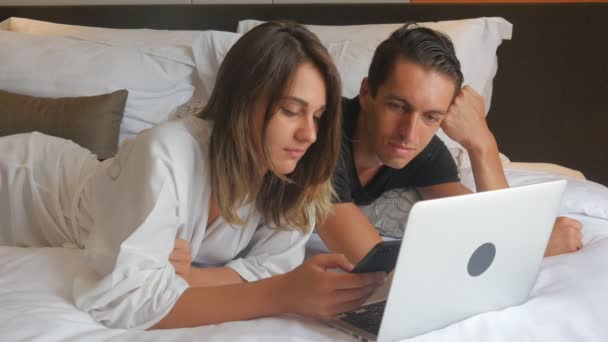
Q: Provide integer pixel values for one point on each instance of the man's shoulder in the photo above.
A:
(432, 150)
(430, 158)
(436, 144)
(434, 165)
(345, 159)
(350, 107)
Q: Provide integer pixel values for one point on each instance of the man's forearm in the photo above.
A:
(486, 165)
(346, 230)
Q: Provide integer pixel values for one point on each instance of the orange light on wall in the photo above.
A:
(502, 1)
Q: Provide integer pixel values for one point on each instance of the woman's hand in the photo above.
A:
(181, 259)
(312, 290)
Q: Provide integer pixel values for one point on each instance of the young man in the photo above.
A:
(413, 88)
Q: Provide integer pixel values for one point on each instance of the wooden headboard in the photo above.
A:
(550, 99)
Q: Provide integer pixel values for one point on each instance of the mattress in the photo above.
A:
(569, 301)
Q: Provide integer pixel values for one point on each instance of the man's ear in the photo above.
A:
(364, 89)
(364, 94)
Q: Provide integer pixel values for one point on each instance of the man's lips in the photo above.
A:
(400, 149)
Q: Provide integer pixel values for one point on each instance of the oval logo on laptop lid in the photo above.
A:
(481, 259)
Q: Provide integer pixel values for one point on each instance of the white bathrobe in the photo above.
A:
(127, 212)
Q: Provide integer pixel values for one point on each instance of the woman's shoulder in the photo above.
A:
(177, 137)
(188, 128)
(180, 133)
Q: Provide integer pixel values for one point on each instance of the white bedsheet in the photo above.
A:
(568, 303)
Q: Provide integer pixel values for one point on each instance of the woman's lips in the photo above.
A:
(295, 152)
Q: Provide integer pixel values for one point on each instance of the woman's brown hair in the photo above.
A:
(258, 68)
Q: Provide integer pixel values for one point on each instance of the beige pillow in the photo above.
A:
(92, 122)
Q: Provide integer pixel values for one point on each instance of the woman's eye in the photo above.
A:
(289, 112)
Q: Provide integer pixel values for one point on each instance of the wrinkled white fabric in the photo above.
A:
(132, 208)
(40, 177)
(568, 303)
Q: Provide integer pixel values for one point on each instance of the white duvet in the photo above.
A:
(568, 303)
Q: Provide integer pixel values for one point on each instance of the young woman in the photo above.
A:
(239, 188)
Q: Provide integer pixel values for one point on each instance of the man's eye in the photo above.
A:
(432, 118)
(394, 105)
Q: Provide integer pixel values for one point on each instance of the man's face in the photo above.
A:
(407, 110)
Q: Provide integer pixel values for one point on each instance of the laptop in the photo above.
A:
(461, 256)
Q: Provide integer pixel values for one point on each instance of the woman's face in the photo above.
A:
(293, 126)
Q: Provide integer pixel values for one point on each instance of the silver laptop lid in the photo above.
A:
(468, 254)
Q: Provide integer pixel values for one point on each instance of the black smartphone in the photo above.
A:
(382, 257)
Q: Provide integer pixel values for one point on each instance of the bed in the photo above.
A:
(546, 107)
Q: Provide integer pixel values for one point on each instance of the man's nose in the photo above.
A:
(408, 127)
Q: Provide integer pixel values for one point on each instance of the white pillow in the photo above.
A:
(475, 42)
(153, 41)
(203, 49)
(209, 52)
(581, 196)
(55, 66)
(170, 45)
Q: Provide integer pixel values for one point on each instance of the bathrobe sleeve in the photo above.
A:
(271, 252)
(135, 210)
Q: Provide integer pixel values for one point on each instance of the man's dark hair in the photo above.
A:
(420, 45)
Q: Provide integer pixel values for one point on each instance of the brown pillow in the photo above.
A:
(92, 122)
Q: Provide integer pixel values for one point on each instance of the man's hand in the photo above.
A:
(565, 238)
(465, 121)
(181, 259)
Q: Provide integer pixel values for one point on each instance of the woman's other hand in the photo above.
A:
(181, 259)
